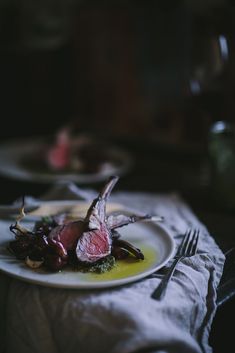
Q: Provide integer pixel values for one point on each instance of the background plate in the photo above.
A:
(13, 153)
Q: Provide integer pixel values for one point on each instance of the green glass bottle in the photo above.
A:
(221, 148)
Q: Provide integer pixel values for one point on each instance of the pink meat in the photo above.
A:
(58, 155)
(94, 245)
(68, 234)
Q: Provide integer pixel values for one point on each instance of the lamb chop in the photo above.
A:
(91, 237)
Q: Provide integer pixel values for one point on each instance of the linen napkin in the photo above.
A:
(123, 319)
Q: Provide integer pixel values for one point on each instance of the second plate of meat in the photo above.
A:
(37, 160)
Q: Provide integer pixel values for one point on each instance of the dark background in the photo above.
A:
(148, 75)
(121, 67)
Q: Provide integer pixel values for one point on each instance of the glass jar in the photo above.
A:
(221, 148)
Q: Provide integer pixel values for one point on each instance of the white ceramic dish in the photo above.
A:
(13, 152)
(152, 238)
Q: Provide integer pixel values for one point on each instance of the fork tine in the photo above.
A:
(189, 246)
(195, 243)
(183, 245)
(192, 244)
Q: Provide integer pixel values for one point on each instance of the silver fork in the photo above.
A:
(187, 248)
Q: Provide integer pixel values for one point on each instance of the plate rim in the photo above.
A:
(104, 284)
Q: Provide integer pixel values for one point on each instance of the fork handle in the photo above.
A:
(160, 291)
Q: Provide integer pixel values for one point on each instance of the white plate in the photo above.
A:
(11, 165)
(152, 238)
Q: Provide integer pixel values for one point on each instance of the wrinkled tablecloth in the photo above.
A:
(122, 319)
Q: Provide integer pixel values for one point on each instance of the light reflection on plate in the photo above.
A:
(152, 238)
(12, 154)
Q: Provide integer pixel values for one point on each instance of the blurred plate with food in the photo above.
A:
(81, 158)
